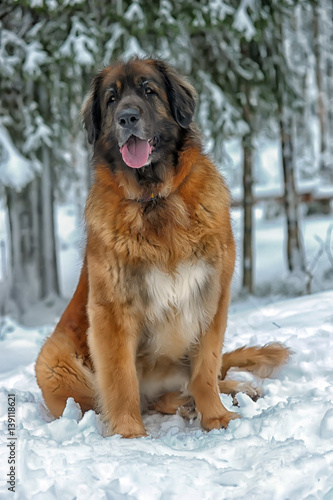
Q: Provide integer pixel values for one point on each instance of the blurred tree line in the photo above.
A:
(260, 67)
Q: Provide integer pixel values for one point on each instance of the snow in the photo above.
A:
(35, 57)
(218, 10)
(134, 13)
(268, 174)
(70, 235)
(10, 59)
(80, 44)
(16, 171)
(165, 14)
(282, 447)
(271, 276)
(242, 21)
(37, 134)
(117, 32)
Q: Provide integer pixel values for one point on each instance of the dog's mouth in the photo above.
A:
(136, 152)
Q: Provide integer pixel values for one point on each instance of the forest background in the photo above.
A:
(264, 73)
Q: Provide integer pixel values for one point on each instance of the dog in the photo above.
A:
(145, 327)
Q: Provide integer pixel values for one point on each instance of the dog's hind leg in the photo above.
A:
(63, 367)
(170, 402)
(61, 374)
(175, 402)
(233, 387)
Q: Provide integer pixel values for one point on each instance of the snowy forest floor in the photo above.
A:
(282, 448)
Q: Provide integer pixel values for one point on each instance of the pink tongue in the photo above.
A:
(135, 152)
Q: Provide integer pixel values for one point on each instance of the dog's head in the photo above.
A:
(137, 115)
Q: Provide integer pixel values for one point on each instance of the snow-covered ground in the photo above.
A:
(282, 448)
(271, 276)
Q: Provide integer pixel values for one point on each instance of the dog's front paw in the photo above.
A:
(220, 422)
(132, 434)
(128, 428)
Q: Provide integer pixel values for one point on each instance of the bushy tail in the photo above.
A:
(261, 361)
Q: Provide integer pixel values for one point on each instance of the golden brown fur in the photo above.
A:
(147, 321)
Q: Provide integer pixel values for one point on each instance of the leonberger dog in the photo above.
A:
(145, 327)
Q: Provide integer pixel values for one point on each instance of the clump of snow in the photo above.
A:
(35, 57)
(219, 10)
(242, 21)
(117, 32)
(326, 425)
(16, 171)
(10, 59)
(281, 448)
(134, 13)
(80, 44)
(37, 134)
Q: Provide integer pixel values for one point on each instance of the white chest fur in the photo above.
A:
(177, 312)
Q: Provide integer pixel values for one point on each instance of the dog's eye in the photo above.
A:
(112, 97)
(149, 91)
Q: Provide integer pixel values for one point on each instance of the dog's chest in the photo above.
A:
(177, 311)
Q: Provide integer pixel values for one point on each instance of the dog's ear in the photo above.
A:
(181, 95)
(91, 110)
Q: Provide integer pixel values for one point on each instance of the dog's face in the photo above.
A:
(136, 116)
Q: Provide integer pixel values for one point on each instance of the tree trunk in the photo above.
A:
(329, 59)
(48, 269)
(25, 286)
(247, 214)
(33, 272)
(48, 261)
(247, 144)
(321, 105)
(295, 252)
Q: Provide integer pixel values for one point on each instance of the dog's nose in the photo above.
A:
(128, 117)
